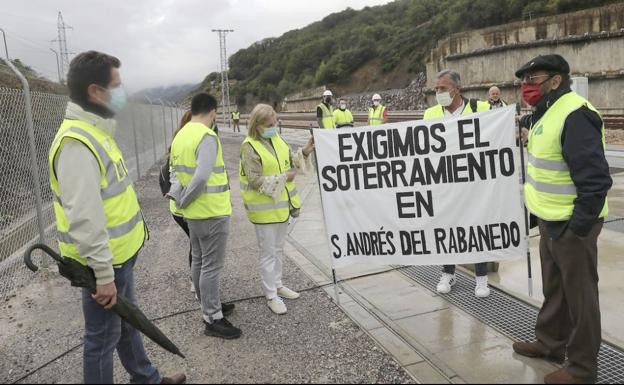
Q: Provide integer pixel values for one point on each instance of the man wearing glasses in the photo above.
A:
(567, 184)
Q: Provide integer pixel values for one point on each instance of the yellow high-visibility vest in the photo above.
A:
(262, 209)
(549, 190)
(376, 115)
(124, 220)
(343, 118)
(215, 200)
(236, 115)
(437, 111)
(328, 116)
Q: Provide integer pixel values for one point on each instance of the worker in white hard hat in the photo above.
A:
(325, 111)
(377, 113)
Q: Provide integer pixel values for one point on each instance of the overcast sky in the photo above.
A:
(160, 42)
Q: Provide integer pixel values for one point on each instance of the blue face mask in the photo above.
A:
(270, 132)
(118, 100)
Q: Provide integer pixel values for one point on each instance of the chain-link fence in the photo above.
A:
(144, 132)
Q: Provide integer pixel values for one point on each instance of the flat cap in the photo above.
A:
(555, 63)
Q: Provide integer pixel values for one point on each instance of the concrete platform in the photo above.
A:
(431, 338)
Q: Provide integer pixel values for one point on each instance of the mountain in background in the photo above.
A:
(376, 48)
(171, 94)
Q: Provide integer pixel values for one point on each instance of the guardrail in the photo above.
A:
(303, 120)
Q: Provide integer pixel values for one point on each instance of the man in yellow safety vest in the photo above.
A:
(377, 113)
(342, 116)
(98, 217)
(451, 103)
(325, 112)
(566, 189)
(236, 120)
(200, 190)
(494, 98)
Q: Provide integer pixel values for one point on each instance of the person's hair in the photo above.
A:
(88, 68)
(566, 81)
(185, 119)
(452, 75)
(261, 116)
(203, 103)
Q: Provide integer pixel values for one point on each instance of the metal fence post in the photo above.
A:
(173, 123)
(162, 104)
(136, 145)
(152, 127)
(31, 143)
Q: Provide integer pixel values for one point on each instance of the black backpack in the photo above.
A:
(163, 180)
(473, 104)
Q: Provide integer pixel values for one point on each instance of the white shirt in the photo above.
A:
(458, 111)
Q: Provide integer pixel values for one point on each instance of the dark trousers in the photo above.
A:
(570, 316)
(480, 269)
(105, 332)
(184, 225)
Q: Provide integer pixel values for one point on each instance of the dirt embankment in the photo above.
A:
(8, 80)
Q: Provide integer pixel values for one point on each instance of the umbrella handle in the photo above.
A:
(28, 255)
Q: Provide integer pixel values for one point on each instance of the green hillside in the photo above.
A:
(35, 80)
(329, 51)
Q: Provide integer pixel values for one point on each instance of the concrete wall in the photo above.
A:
(592, 41)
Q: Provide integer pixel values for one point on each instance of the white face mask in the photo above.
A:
(376, 103)
(343, 106)
(444, 98)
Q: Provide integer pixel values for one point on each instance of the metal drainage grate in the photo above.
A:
(509, 316)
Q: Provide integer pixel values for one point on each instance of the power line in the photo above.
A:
(38, 69)
(25, 40)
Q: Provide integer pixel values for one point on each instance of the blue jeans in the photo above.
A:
(105, 332)
(481, 269)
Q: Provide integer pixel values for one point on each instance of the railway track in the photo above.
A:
(304, 120)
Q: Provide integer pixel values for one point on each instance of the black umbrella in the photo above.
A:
(83, 276)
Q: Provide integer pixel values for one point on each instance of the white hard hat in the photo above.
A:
(376, 97)
(328, 93)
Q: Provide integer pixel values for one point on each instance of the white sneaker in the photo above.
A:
(482, 290)
(192, 287)
(446, 283)
(277, 306)
(286, 293)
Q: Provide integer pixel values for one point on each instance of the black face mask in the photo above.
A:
(328, 100)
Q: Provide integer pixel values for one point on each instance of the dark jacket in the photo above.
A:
(583, 151)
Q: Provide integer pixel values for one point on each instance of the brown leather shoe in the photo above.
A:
(179, 378)
(536, 350)
(562, 376)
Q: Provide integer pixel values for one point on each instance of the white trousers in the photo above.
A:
(271, 239)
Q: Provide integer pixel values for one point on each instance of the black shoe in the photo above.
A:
(222, 329)
(227, 309)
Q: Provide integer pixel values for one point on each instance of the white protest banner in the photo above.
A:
(423, 192)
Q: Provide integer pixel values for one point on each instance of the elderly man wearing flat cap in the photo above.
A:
(567, 184)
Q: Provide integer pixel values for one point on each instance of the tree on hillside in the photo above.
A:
(331, 50)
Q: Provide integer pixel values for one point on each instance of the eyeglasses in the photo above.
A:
(531, 79)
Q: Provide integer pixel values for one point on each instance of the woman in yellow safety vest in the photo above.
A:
(267, 175)
(165, 186)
